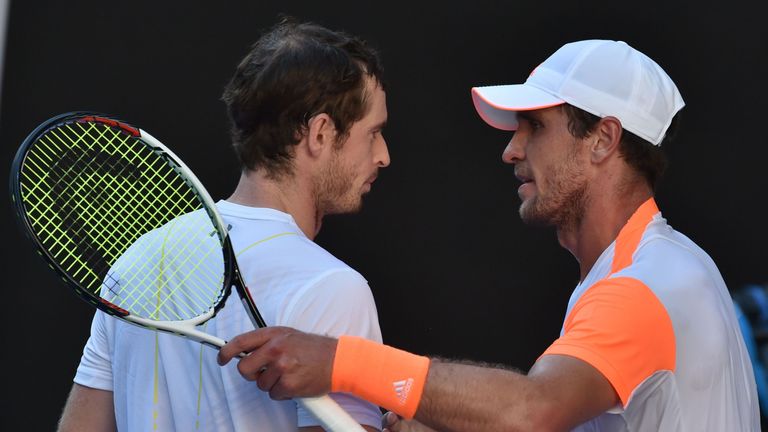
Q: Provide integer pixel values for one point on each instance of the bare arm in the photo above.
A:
(88, 410)
(320, 429)
(559, 393)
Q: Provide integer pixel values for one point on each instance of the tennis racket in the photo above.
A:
(132, 231)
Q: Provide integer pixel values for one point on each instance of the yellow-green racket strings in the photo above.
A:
(118, 217)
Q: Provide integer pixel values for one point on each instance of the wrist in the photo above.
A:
(391, 378)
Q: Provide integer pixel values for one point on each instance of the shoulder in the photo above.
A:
(313, 251)
(286, 249)
(620, 328)
(337, 289)
(336, 302)
(667, 260)
(687, 283)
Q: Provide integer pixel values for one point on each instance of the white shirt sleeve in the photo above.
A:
(95, 369)
(337, 303)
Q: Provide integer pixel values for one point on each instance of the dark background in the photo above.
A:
(453, 270)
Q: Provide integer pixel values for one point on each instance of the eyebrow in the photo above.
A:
(379, 126)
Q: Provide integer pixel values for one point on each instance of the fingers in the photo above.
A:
(388, 421)
(285, 362)
(267, 380)
(247, 342)
(391, 422)
(267, 375)
(252, 366)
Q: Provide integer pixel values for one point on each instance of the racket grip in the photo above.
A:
(331, 416)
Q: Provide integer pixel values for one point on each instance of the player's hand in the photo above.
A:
(283, 361)
(391, 422)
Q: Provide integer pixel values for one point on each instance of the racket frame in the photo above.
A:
(326, 410)
(231, 271)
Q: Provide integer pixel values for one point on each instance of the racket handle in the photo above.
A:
(331, 416)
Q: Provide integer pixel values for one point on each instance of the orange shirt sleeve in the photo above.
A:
(623, 330)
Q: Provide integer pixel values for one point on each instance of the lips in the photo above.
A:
(368, 184)
(527, 187)
(523, 177)
(372, 178)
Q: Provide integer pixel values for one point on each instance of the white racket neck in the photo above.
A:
(186, 328)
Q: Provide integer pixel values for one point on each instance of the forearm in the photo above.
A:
(472, 398)
(320, 429)
(442, 395)
(558, 393)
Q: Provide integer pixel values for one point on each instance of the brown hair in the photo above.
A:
(293, 72)
(648, 159)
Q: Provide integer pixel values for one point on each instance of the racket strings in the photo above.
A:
(107, 230)
(122, 221)
(191, 280)
(51, 218)
(66, 174)
(185, 296)
(63, 180)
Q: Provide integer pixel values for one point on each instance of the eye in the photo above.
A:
(530, 122)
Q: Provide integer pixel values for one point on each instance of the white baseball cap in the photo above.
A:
(602, 77)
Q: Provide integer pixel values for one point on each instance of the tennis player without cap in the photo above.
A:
(307, 107)
(650, 341)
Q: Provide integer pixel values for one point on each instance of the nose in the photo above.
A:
(513, 152)
(382, 153)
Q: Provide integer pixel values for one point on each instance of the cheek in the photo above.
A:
(549, 175)
(359, 154)
(363, 157)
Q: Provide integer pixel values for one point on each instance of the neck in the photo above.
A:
(288, 194)
(605, 214)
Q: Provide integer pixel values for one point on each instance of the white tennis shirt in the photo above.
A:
(166, 383)
(654, 316)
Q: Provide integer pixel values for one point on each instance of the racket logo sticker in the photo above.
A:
(76, 200)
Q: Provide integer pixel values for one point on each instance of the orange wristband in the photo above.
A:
(389, 377)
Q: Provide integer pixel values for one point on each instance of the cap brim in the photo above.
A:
(498, 105)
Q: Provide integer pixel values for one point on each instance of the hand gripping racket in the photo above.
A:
(131, 229)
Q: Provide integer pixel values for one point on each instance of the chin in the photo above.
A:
(525, 210)
(532, 215)
(356, 206)
(347, 207)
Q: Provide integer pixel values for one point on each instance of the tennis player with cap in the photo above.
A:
(650, 341)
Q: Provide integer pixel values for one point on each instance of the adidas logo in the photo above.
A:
(402, 389)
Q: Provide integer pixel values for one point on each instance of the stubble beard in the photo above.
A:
(334, 192)
(564, 205)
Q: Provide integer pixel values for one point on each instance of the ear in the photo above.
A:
(321, 134)
(605, 139)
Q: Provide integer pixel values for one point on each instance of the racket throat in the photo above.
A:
(180, 328)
